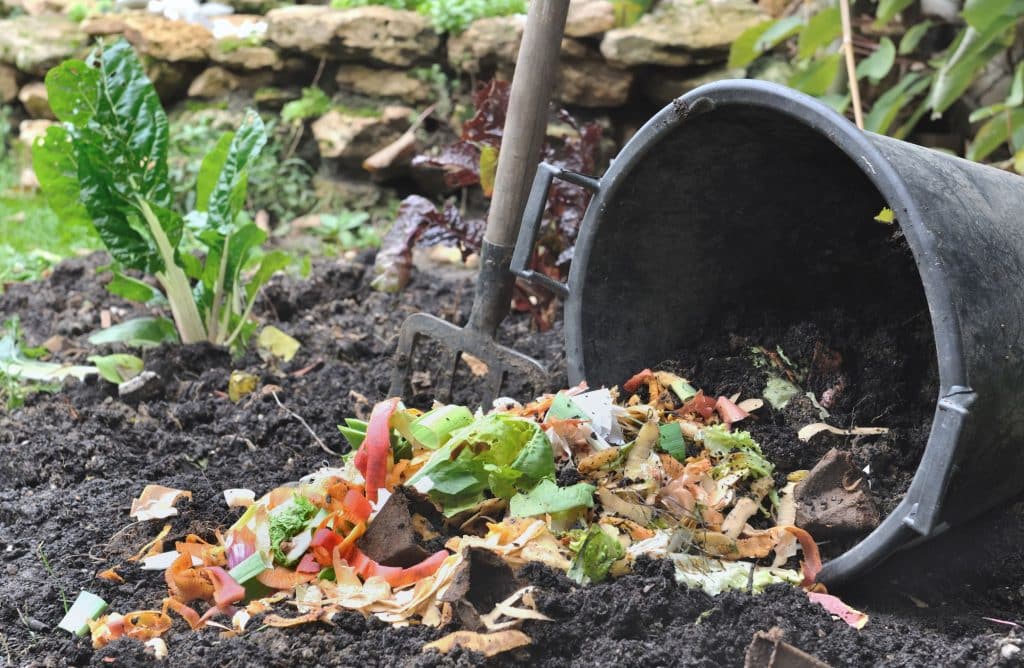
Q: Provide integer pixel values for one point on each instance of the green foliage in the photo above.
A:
(282, 188)
(450, 16)
(313, 103)
(107, 164)
(628, 12)
(906, 82)
(349, 230)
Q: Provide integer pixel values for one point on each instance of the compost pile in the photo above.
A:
(352, 537)
(72, 463)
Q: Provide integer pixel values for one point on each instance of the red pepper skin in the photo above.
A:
(225, 590)
(309, 564)
(397, 577)
(325, 538)
(729, 411)
(377, 448)
(633, 384)
(357, 508)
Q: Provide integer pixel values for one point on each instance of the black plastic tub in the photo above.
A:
(739, 180)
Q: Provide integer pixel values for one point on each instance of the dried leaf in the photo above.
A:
(488, 644)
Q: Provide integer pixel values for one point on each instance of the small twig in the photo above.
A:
(851, 63)
(305, 424)
(319, 71)
(300, 127)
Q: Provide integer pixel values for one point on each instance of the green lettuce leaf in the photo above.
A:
(500, 453)
(547, 497)
(286, 521)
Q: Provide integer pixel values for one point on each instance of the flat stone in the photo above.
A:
(306, 28)
(30, 130)
(352, 138)
(372, 82)
(374, 34)
(246, 57)
(677, 28)
(589, 17)
(593, 83)
(8, 83)
(386, 36)
(486, 43)
(213, 82)
(491, 45)
(168, 40)
(36, 101)
(34, 44)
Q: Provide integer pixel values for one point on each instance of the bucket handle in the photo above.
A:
(532, 216)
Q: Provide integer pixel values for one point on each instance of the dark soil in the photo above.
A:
(866, 372)
(70, 463)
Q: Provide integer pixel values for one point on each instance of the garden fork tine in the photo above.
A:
(523, 136)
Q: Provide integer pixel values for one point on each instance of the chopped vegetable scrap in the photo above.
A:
(157, 502)
(583, 481)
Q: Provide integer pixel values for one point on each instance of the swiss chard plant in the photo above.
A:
(106, 163)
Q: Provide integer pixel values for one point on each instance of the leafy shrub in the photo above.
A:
(282, 188)
(447, 15)
(107, 164)
(907, 79)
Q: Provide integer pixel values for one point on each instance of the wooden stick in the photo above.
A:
(851, 64)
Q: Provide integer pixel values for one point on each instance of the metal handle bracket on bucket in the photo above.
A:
(532, 216)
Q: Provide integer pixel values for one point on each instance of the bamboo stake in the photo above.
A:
(851, 64)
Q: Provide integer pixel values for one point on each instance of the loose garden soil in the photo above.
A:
(71, 462)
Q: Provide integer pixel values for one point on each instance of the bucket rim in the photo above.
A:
(904, 525)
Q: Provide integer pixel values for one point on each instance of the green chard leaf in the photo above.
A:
(133, 289)
(137, 332)
(117, 368)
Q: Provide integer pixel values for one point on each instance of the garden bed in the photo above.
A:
(70, 464)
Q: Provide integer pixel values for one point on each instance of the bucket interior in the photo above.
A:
(741, 218)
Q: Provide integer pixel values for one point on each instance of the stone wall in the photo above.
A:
(376, 54)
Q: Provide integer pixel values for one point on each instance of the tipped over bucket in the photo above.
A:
(745, 196)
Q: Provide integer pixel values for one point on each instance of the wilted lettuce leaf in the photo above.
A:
(547, 498)
(736, 450)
